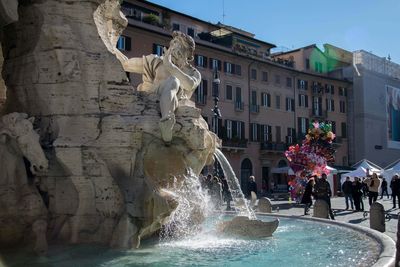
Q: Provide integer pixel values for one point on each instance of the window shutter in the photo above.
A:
(306, 85)
(299, 124)
(306, 101)
(268, 100)
(196, 58)
(234, 129)
(205, 85)
(269, 133)
(251, 131)
(225, 66)
(307, 124)
(219, 65)
(333, 105)
(238, 69)
(243, 130)
(233, 68)
(210, 63)
(298, 83)
(299, 100)
(205, 62)
(154, 49)
(258, 132)
(327, 104)
(220, 129)
(127, 43)
(262, 99)
(292, 100)
(287, 103)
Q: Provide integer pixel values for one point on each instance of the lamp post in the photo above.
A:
(216, 111)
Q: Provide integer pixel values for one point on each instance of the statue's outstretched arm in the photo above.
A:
(131, 64)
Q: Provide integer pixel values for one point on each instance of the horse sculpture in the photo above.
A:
(22, 210)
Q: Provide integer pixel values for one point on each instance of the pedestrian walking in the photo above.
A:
(308, 192)
(384, 188)
(373, 184)
(323, 191)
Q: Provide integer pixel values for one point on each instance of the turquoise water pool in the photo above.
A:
(295, 243)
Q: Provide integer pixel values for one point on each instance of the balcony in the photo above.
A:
(317, 90)
(318, 114)
(255, 108)
(234, 144)
(239, 106)
(273, 147)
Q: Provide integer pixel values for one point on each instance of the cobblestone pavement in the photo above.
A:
(349, 216)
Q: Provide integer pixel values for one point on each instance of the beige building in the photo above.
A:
(266, 102)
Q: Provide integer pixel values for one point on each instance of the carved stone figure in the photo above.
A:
(21, 206)
(170, 76)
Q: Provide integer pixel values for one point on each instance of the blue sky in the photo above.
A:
(371, 25)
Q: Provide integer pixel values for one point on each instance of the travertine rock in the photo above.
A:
(264, 205)
(321, 209)
(107, 160)
(244, 227)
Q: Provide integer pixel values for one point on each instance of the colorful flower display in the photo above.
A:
(315, 152)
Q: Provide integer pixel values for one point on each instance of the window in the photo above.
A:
(265, 76)
(317, 106)
(240, 130)
(342, 91)
(344, 130)
(330, 105)
(318, 66)
(253, 74)
(228, 129)
(303, 101)
(277, 79)
(265, 100)
(215, 64)
(302, 84)
(175, 27)
(201, 93)
(278, 102)
(278, 134)
(238, 95)
(291, 135)
(190, 32)
(124, 43)
(158, 49)
(307, 64)
(266, 133)
(289, 104)
(229, 68)
(332, 90)
(253, 98)
(302, 125)
(289, 82)
(228, 92)
(238, 70)
(342, 107)
(200, 61)
(254, 132)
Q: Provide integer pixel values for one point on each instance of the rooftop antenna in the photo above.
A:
(389, 58)
(223, 12)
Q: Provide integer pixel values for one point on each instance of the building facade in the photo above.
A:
(266, 102)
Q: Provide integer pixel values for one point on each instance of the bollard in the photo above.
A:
(398, 243)
(321, 209)
(377, 217)
(264, 205)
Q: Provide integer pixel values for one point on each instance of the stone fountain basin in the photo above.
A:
(387, 254)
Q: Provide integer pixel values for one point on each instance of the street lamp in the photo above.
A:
(216, 111)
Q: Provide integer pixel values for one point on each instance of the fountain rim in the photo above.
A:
(387, 254)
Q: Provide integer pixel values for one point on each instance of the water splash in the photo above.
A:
(194, 205)
(234, 186)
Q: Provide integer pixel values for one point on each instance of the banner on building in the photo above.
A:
(393, 116)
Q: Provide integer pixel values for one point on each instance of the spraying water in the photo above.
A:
(194, 205)
(234, 186)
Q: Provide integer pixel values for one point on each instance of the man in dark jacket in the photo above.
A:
(322, 190)
(384, 188)
(347, 189)
(395, 185)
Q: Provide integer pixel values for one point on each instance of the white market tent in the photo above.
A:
(359, 172)
(368, 165)
(391, 170)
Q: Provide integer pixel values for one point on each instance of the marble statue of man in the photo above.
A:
(171, 76)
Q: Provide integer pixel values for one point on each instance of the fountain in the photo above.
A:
(107, 169)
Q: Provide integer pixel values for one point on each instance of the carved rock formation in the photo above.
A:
(242, 226)
(107, 161)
